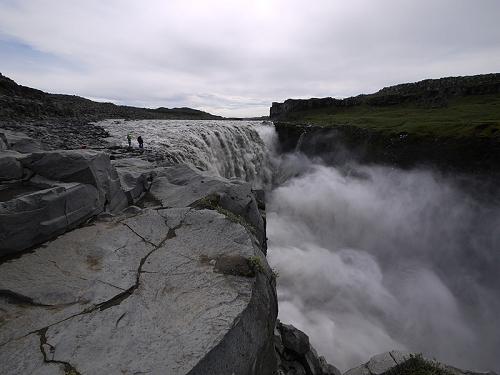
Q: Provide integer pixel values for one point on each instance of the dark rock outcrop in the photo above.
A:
(349, 143)
(296, 356)
(45, 193)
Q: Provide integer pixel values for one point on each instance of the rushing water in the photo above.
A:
(370, 258)
(232, 149)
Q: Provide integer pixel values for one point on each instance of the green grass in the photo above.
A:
(416, 365)
(477, 116)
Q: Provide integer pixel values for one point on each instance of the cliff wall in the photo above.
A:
(430, 93)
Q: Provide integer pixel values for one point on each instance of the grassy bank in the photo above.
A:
(467, 116)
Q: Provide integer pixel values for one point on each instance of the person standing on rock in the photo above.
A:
(141, 142)
(129, 139)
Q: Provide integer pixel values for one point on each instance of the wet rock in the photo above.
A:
(296, 355)
(294, 340)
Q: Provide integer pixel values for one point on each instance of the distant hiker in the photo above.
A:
(141, 142)
(129, 139)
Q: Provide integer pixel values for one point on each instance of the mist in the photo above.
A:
(373, 258)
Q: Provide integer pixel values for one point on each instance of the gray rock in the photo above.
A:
(137, 295)
(10, 167)
(131, 210)
(359, 370)
(294, 340)
(20, 142)
(12, 358)
(180, 186)
(296, 355)
(34, 217)
(84, 166)
(381, 363)
(3, 142)
(328, 369)
(136, 177)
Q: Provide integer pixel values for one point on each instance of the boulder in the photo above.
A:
(42, 213)
(68, 188)
(296, 355)
(294, 340)
(10, 167)
(83, 166)
(136, 177)
(20, 142)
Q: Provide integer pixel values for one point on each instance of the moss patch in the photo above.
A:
(212, 202)
(236, 265)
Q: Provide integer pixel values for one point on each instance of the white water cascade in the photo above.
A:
(231, 149)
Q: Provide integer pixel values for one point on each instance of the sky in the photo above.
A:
(235, 57)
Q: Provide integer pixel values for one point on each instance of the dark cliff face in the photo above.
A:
(430, 92)
(451, 124)
(348, 143)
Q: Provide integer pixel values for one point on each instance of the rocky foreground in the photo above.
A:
(115, 264)
(125, 266)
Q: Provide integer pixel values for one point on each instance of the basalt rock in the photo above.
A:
(20, 142)
(44, 194)
(140, 293)
(343, 144)
(296, 356)
(180, 185)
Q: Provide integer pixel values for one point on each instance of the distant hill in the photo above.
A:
(450, 107)
(18, 102)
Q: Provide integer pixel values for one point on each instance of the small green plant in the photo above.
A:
(275, 273)
(255, 264)
(417, 365)
(211, 202)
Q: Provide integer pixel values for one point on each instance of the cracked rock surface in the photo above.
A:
(138, 294)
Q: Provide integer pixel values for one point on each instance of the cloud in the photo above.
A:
(245, 52)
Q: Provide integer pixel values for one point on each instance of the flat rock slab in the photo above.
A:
(180, 186)
(136, 295)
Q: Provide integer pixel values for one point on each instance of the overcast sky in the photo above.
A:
(234, 57)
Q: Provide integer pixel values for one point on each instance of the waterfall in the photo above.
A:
(230, 149)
